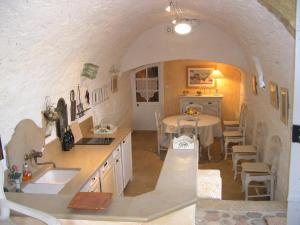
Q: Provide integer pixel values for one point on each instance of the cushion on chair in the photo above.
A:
(232, 133)
(231, 123)
(256, 167)
(243, 149)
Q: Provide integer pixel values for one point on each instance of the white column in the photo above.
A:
(294, 179)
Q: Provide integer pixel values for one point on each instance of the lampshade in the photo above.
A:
(183, 28)
(216, 74)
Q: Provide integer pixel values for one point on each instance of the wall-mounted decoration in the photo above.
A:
(1, 150)
(62, 122)
(114, 84)
(254, 85)
(273, 88)
(90, 70)
(259, 72)
(197, 77)
(73, 105)
(100, 95)
(50, 116)
(284, 105)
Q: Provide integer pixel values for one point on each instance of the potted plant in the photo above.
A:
(50, 114)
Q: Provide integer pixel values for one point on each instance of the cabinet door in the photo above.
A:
(118, 175)
(127, 159)
(108, 181)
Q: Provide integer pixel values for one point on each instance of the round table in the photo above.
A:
(209, 127)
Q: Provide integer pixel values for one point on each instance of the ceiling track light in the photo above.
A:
(181, 25)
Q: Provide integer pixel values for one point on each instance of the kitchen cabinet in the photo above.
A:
(126, 150)
(93, 184)
(107, 176)
(118, 167)
(211, 104)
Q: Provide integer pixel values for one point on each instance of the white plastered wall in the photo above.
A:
(43, 48)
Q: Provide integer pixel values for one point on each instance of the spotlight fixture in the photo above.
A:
(181, 24)
(183, 28)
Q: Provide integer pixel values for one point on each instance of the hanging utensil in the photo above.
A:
(73, 105)
(80, 111)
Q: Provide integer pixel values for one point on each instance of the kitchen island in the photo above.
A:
(172, 200)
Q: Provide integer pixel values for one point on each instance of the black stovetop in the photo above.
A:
(95, 141)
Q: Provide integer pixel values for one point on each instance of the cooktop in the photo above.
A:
(95, 141)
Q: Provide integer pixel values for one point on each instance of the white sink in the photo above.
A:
(51, 182)
(57, 176)
(42, 188)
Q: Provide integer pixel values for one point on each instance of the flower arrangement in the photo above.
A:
(50, 113)
(14, 173)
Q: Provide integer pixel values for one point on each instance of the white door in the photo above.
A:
(126, 159)
(147, 96)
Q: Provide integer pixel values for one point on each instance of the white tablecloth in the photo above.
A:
(208, 127)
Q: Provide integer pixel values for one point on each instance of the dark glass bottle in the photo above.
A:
(66, 142)
(71, 136)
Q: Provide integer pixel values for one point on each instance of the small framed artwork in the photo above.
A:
(199, 77)
(1, 150)
(114, 84)
(274, 94)
(284, 105)
(254, 85)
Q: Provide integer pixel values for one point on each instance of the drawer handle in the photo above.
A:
(209, 103)
(117, 160)
(94, 178)
(123, 141)
(105, 164)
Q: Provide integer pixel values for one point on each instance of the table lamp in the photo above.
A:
(216, 75)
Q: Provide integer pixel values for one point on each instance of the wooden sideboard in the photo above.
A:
(211, 103)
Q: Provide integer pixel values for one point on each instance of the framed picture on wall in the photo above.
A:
(114, 83)
(284, 105)
(254, 85)
(199, 77)
(273, 88)
(1, 150)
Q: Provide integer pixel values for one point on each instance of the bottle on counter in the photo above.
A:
(66, 141)
(26, 173)
(71, 136)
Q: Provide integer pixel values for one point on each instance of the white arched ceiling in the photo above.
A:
(43, 45)
(205, 42)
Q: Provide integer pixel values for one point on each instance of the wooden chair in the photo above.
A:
(261, 172)
(248, 152)
(188, 125)
(6, 206)
(235, 136)
(234, 124)
(163, 141)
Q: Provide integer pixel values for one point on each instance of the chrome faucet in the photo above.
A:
(34, 155)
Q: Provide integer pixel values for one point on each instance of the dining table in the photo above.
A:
(209, 127)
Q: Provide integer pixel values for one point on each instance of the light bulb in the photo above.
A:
(168, 8)
(183, 28)
(174, 21)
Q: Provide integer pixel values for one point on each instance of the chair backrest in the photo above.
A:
(159, 126)
(242, 120)
(196, 107)
(187, 125)
(260, 137)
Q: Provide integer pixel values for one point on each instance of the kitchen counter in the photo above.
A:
(175, 189)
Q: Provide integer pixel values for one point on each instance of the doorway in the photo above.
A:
(147, 95)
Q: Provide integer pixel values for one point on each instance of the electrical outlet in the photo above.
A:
(296, 133)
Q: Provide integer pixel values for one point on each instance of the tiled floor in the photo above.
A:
(147, 165)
